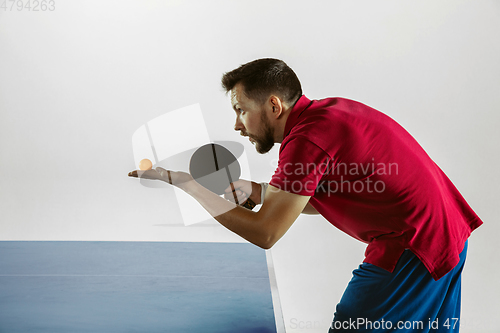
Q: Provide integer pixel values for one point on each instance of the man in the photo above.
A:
(368, 177)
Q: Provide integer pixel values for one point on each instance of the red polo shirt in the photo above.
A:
(371, 179)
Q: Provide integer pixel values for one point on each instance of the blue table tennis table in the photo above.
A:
(72, 287)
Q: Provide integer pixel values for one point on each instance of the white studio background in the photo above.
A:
(76, 82)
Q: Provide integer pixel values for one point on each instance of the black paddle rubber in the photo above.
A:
(216, 168)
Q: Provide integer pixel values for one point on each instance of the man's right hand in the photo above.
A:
(244, 190)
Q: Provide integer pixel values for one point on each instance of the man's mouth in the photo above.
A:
(249, 137)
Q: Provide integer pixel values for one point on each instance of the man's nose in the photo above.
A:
(238, 125)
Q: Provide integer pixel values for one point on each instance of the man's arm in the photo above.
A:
(309, 210)
(263, 228)
(245, 189)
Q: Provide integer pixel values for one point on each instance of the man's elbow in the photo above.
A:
(272, 234)
(268, 242)
(266, 246)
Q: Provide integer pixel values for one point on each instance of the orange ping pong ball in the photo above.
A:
(145, 164)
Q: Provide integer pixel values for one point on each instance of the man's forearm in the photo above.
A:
(244, 222)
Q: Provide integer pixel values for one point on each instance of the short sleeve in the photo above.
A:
(301, 166)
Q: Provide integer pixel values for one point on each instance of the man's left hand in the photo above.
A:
(176, 178)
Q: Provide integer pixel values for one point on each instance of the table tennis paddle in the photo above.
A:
(216, 168)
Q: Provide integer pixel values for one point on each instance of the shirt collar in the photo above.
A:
(300, 106)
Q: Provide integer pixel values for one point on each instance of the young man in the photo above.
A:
(368, 177)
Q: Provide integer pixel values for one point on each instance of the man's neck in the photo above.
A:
(280, 128)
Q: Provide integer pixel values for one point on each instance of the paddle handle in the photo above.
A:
(249, 204)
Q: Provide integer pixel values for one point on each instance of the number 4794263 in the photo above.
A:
(28, 5)
(451, 323)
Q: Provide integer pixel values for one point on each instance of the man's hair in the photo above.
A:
(262, 78)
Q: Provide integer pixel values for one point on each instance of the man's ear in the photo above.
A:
(277, 106)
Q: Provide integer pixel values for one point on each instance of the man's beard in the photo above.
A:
(264, 142)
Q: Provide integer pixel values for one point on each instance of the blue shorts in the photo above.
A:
(406, 300)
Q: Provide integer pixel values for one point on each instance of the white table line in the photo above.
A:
(127, 275)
